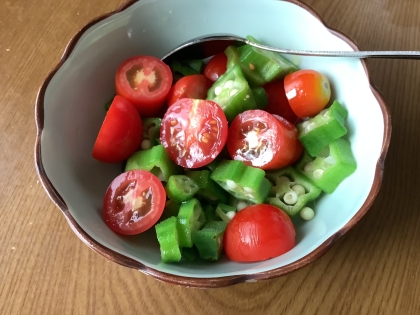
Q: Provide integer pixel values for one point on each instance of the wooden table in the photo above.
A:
(46, 269)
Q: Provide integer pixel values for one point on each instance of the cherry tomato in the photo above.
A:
(194, 132)
(277, 101)
(259, 139)
(145, 81)
(308, 92)
(121, 132)
(133, 202)
(216, 67)
(258, 232)
(192, 86)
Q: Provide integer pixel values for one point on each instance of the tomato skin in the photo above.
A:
(259, 139)
(299, 147)
(147, 97)
(277, 101)
(216, 67)
(258, 232)
(118, 211)
(121, 132)
(194, 132)
(191, 86)
(308, 92)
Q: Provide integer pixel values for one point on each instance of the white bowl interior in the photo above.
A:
(74, 111)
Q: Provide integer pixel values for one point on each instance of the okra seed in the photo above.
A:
(233, 92)
(231, 184)
(308, 167)
(230, 214)
(305, 124)
(310, 126)
(290, 197)
(228, 84)
(318, 173)
(299, 189)
(248, 190)
(145, 144)
(241, 205)
(251, 66)
(307, 213)
(330, 160)
(283, 179)
(218, 90)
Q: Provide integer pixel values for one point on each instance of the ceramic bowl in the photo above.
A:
(70, 111)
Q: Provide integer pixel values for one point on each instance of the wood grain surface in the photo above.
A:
(46, 269)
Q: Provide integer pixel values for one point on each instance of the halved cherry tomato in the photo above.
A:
(259, 139)
(133, 202)
(191, 86)
(194, 132)
(145, 81)
(277, 101)
(258, 232)
(292, 128)
(120, 134)
(216, 67)
(308, 92)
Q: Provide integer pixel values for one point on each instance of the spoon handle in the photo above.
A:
(354, 54)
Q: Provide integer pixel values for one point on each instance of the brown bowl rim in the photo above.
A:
(189, 281)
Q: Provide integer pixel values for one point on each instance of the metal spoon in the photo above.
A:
(195, 49)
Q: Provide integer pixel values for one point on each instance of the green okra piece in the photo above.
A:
(171, 210)
(183, 69)
(167, 235)
(190, 254)
(252, 76)
(155, 160)
(242, 181)
(225, 212)
(319, 131)
(181, 188)
(151, 132)
(190, 219)
(232, 93)
(270, 65)
(195, 64)
(210, 213)
(209, 240)
(291, 190)
(208, 189)
(330, 167)
(260, 96)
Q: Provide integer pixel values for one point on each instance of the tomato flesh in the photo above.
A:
(145, 81)
(258, 232)
(194, 132)
(308, 92)
(191, 86)
(216, 67)
(120, 134)
(259, 139)
(277, 101)
(133, 202)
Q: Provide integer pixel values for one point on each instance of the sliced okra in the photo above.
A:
(330, 167)
(243, 182)
(291, 190)
(155, 160)
(190, 219)
(225, 212)
(319, 131)
(151, 133)
(208, 189)
(209, 240)
(181, 188)
(167, 235)
(268, 64)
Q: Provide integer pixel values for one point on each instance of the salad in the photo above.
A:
(220, 155)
